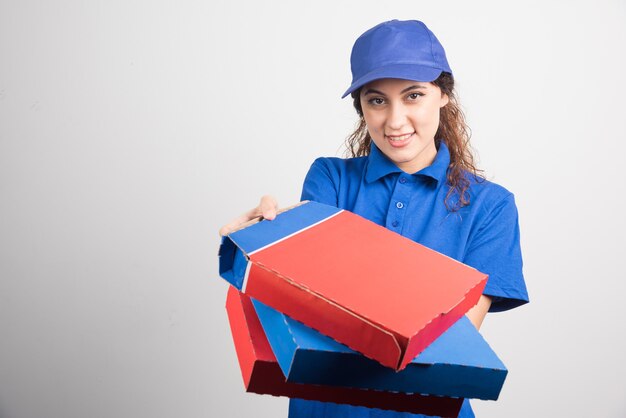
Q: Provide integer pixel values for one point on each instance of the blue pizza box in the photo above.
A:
(459, 363)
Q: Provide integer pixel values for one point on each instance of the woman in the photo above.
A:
(412, 171)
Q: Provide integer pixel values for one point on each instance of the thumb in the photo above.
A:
(268, 207)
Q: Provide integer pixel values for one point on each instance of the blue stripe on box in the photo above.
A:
(266, 232)
(459, 363)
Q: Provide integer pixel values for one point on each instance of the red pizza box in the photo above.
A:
(262, 374)
(365, 286)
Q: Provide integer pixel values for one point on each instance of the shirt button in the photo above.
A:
(399, 205)
(402, 180)
(394, 224)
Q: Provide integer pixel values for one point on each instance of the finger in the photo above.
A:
(236, 223)
(268, 207)
(228, 228)
(224, 230)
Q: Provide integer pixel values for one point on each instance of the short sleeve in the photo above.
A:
(495, 250)
(319, 183)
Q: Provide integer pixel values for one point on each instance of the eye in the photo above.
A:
(376, 101)
(414, 96)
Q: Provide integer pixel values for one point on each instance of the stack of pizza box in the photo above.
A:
(326, 305)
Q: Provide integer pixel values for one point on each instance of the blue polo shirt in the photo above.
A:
(484, 234)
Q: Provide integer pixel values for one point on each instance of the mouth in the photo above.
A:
(399, 140)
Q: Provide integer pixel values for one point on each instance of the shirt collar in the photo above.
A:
(379, 165)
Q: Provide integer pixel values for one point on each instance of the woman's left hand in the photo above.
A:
(267, 208)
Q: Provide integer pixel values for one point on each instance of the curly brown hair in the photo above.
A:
(453, 130)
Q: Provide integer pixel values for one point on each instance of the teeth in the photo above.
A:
(399, 138)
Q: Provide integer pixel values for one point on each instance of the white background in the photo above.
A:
(131, 130)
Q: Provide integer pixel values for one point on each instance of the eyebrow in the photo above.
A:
(413, 87)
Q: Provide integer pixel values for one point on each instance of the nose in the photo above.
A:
(397, 117)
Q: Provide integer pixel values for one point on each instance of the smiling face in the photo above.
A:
(402, 117)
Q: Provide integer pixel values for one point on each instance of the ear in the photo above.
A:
(444, 100)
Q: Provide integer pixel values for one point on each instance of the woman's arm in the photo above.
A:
(478, 312)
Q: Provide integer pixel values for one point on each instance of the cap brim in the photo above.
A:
(402, 71)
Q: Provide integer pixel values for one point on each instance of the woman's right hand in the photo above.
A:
(267, 209)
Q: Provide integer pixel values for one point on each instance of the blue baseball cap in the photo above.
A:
(397, 49)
